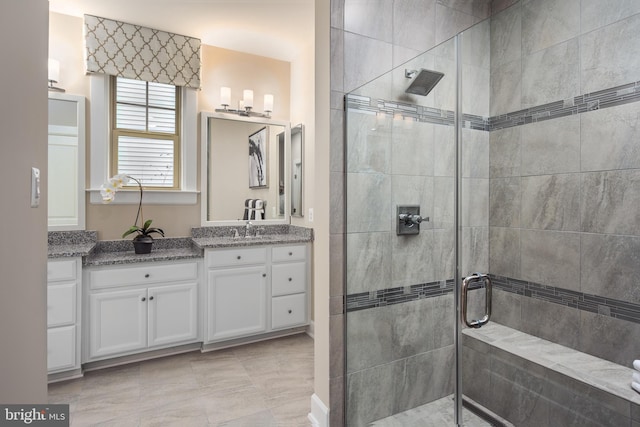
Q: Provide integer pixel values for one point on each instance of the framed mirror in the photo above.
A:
(66, 166)
(243, 169)
(297, 155)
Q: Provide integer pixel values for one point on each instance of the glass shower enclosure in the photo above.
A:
(417, 225)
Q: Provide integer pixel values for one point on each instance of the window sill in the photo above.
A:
(150, 197)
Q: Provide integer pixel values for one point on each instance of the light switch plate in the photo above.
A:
(35, 187)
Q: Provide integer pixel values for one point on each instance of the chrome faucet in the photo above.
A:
(247, 229)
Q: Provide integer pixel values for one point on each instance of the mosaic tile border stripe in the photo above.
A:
(390, 296)
(587, 302)
(611, 97)
(578, 300)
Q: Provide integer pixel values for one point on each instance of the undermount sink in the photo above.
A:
(261, 237)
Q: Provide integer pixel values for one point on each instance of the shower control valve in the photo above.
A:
(410, 220)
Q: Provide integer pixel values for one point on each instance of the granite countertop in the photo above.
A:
(222, 237)
(112, 252)
(109, 252)
(71, 243)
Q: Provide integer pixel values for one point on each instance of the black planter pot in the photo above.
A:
(142, 244)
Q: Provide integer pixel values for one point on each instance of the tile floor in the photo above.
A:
(266, 384)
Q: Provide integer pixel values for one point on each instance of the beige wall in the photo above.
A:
(220, 67)
(23, 252)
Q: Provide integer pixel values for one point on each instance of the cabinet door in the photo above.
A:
(118, 322)
(173, 314)
(236, 302)
(61, 348)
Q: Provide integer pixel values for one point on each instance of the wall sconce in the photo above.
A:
(245, 105)
(54, 75)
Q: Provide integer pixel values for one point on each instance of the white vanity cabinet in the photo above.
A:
(141, 307)
(64, 298)
(253, 291)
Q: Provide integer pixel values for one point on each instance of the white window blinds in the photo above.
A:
(145, 141)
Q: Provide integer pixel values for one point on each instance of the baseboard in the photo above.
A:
(319, 415)
(311, 329)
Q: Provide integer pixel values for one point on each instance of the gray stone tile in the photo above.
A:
(443, 206)
(445, 91)
(369, 392)
(412, 149)
(596, 13)
(506, 37)
(476, 84)
(506, 88)
(504, 202)
(551, 202)
(551, 258)
(608, 138)
(504, 251)
(635, 412)
(475, 154)
(505, 152)
(368, 146)
(450, 22)
(428, 376)
(337, 60)
(478, 8)
(364, 60)
(610, 266)
(407, 266)
(609, 202)
(551, 74)
(609, 338)
(403, 54)
(414, 24)
(369, 203)
(548, 22)
(337, 100)
(550, 321)
(443, 254)
(475, 202)
(506, 308)
(499, 5)
(368, 262)
(551, 146)
(336, 393)
(336, 345)
(610, 56)
(444, 149)
(337, 13)
(476, 45)
(336, 270)
(475, 250)
(371, 18)
(337, 141)
(336, 205)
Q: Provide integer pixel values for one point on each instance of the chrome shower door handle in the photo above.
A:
(472, 282)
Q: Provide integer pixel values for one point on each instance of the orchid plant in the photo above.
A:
(108, 191)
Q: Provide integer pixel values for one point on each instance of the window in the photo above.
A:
(145, 132)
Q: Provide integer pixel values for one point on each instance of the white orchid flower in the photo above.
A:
(119, 180)
(108, 192)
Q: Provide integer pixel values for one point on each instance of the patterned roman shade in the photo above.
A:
(126, 50)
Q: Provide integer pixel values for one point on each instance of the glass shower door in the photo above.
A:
(417, 188)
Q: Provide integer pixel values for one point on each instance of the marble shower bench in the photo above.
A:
(534, 382)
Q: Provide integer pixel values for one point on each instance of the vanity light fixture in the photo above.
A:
(245, 105)
(54, 75)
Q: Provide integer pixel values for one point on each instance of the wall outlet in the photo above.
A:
(310, 216)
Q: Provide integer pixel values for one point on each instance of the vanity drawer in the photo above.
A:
(288, 278)
(61, 304)
(289, 310)
(236, 256)
(289, 253)
(61, 270)
(149, 273)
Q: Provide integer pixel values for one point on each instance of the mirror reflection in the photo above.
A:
(297, 154)
(66, 162)
(245, 169)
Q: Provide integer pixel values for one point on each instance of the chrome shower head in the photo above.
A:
(423, 81)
